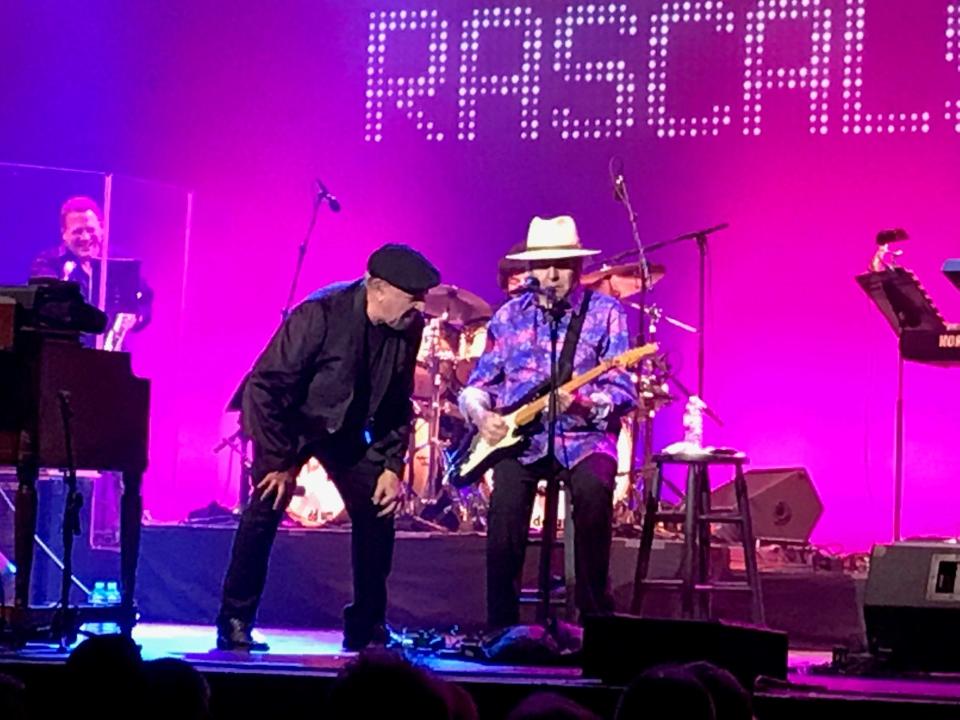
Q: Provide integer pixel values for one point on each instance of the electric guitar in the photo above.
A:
(475, 456)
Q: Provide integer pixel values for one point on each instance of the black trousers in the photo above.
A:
(590, 483)
(371, 547)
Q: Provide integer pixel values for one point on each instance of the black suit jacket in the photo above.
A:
(299, 389)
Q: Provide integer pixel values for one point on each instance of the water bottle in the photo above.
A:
(97, 598)
(99, 594)
(113, 598)
(104, 594)
(693, 423)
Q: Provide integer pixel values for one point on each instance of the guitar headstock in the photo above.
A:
(633, 355)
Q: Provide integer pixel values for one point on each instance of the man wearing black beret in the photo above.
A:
(333, 383)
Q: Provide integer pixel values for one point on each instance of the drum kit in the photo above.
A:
(454, 338)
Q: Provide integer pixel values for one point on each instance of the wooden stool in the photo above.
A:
(694, 583)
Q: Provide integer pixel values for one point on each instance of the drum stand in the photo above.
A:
(436, 461)
(239, 446)
(445, 507)
(642, 419)
(408, 517)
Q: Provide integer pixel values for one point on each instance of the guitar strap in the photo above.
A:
(571, 340)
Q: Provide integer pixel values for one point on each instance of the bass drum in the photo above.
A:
(485, 491)
(316, 501)
(625, 446)
(540, 505)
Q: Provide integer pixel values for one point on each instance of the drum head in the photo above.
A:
(473, 343)
(436, 359)
(316, 501)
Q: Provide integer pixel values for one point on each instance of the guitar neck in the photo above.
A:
(530, 411)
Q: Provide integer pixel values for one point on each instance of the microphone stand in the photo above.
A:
(552, 499)
(301, 255)
(66, 623)
(701, 238)
(238, 442)
(321, 195)
(644, 427)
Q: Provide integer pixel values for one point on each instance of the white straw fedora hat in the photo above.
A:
(552, 239)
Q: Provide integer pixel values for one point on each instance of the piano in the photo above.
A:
(924, 335)
(41, 355)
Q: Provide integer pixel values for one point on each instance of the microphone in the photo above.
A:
(529, 285)
(324, 194)
(532, 285)
(619, 188)
(616, 175)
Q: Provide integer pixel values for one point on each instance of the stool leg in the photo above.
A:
(689, 545)
(749, 546)
(703, 540)
(646, 540)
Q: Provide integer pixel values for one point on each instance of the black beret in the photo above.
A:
(403, 267)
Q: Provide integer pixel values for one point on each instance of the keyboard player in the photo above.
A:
(77, 259)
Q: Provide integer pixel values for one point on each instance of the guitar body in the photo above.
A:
(475, 456)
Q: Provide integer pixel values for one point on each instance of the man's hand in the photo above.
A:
(593, 407)
(388, 493)
(492, 427)
(564, 401)
(280, 482)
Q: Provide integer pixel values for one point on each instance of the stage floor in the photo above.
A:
(315, 656)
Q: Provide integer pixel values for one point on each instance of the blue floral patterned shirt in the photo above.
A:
(517, 360)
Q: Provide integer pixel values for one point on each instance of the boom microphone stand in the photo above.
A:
(321, 195)
(238, 442)
(700, 236)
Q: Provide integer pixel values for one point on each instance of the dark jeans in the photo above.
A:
(371, 548)
(590, 483)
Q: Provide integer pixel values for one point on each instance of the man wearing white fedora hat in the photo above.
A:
(515, 367)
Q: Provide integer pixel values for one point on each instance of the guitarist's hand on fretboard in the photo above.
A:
(564, 401)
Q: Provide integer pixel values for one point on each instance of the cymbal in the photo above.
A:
(458, 305)
(621, 281)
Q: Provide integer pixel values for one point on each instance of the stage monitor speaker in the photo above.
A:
(911, 606)
(784, 505)
(617, 648)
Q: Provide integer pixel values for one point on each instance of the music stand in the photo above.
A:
(951, 268)
(123, 285)
(901, 299)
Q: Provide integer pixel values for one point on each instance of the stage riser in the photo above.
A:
(438, 581)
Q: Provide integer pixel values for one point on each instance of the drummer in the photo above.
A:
(511, 273)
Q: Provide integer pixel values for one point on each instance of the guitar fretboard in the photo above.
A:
(529, 412)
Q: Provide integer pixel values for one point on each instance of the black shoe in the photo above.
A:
(377, 637)
(234, 634)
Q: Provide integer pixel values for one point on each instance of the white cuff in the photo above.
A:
(473, 402)
(601, 406)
